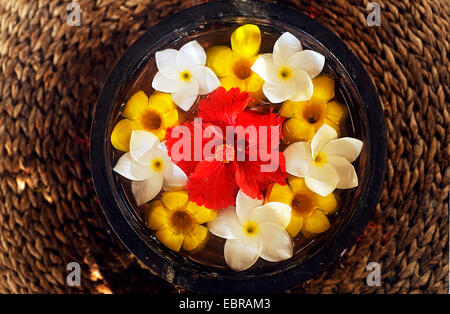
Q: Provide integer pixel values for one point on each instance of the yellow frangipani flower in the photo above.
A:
(309, 210)
(154, 114)
(178, 221)
(306, 117)
(233, 66)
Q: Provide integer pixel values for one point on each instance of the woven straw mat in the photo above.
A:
(51, 74)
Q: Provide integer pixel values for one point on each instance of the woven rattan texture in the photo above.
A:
(51, 74)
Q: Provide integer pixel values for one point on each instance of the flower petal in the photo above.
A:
(295, 130)
(120, 136)
(323, 188)
(156, 215)
(124, 166)
(303, 86)
(175, 200)
(323, 136)
(246, 40)
(201, 214)
(219, 59)
(163, 84)
(165, 62)
(146, 190)
(263, 66)
(169, 238)
(244, 205)
(317, 222)
(226, 224)
(298, 159)
(174, 178)
(135, 105)
(241, 254)
(193, 52)
(196, 239)
(280, 193)
(285, 47)
(276, 242)
(323, 88)
(295, 225)
(140, 143)
(327, 204)
(346, 172)
(186, 96)
(279, 93)
(209, 83)
(274, 212)
(346, 147)
(308, 60)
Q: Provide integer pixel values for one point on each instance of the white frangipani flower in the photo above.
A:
(253, 230)
(149, 167)
(183, 74)
(289, 70)
(326, 162)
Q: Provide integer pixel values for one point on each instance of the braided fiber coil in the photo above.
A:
(51, 74)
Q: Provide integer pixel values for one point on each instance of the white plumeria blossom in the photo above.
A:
(289, 70)
(253, 230)
(149, 167)
(183, 74)
(325, 163)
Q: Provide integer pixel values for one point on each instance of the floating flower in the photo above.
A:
(183, 74)
(178, 221)
(253, 230)
(306, 117)
(233, 66)
(149, 167)
(288, 71)
(214, 182)
(154, 114)
(309, 209)
(325, 163)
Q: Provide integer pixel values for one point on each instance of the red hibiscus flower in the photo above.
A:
(247, 160)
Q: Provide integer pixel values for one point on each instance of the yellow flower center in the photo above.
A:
(242, 68)
(313, 113)
(285, 73)
(251, 228)
(151, 120)
(224, 153)
(319, 159)
(157, 164)
(181, 222)
(303, 204)
(185, 76)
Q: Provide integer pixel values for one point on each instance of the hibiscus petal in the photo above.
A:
(308, 60)
(285, 47)
(241, 254)
(346, 172)
(276, 242)
(185, 97)
(193, 52)
(213, 184)
(274, 212)
(146, 190)
(323, 188)
(165, 85)
(298, 159)
(244, 205)
(263, 66)
(346, 147)
(303, 86)
(165, 62)
(174, 178)
(323, 136)
(140, 143)
(279, 93)
(226, 224)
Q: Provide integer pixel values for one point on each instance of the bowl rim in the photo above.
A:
(124, 70)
